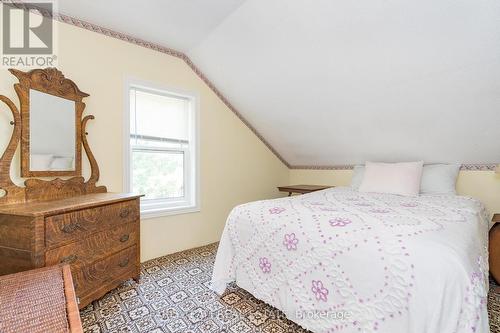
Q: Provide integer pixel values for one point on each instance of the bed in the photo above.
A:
(339, 260)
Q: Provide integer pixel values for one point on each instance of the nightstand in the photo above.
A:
(301, 189)
(494, 248)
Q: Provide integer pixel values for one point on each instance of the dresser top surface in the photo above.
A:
(60, 206)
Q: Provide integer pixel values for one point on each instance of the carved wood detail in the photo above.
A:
(37, 189)
(13, 193)
(51, 81)
(94, 167)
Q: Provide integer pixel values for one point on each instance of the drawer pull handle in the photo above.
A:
(124, 213)
(70, 228)
(124, 238)
(124, 262)
(69, 259)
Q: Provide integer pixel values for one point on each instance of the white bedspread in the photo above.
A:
(343, 261)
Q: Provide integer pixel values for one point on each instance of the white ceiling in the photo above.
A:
(331, 82)
(178, 24)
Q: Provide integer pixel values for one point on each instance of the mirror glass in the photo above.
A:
(52, 132)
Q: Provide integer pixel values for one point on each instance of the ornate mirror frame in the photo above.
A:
(51, 81)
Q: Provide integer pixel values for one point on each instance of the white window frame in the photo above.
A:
(162, 207)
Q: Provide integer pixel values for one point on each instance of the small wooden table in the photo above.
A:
(494, 248)
(301, 189)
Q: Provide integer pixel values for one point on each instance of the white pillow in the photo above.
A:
(394, 178)
(358, 173)
(40, 162)
(439, 179)
(62, 163)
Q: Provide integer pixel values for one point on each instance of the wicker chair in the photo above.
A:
(39, 300)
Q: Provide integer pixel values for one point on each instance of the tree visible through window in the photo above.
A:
(158, 174)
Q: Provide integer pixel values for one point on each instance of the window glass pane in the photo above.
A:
(158, 174)
(158, 116)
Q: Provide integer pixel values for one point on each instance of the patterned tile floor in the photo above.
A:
(173, 296)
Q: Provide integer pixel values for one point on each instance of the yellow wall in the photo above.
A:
(484, 185)
(235, 166)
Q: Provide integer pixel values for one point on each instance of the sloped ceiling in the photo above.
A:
(330, 82)
(178, 24)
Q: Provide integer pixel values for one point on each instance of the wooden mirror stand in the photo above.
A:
(49, 82)
(53, 82)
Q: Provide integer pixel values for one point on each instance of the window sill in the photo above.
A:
(159, 212)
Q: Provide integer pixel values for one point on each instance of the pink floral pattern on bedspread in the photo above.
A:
(343, 261)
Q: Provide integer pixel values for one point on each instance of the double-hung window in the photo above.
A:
(162, 150)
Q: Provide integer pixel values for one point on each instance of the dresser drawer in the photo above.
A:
(98, 278)
(94, 247)
(68, 227)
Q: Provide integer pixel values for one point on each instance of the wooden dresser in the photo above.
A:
(72, 220)
(96, 234)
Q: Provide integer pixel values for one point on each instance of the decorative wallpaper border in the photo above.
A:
(323, 167)
(464, 167)
(166, 50)
(479, 167)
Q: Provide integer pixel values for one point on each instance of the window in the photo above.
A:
(161, 150)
